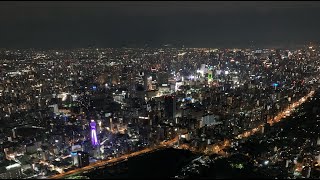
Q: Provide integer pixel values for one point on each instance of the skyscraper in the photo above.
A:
(94, 139)
(170, 106)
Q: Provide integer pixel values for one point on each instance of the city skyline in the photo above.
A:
(93, 90)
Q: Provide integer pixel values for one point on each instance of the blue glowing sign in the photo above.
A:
(94, 88)
(275, 84)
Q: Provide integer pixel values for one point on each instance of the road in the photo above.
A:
(114, 160)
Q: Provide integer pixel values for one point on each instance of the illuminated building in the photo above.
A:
(94, 140)
(14, 133)
(11, 172)
(162, 78)
(74, 156)
(208, 120)
(80, 158)
(210, 76)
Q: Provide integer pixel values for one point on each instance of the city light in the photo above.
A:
(83, 108)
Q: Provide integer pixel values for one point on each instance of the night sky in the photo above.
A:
(135, 24)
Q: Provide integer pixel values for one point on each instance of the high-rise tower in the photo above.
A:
(94, 139)
(170, 106)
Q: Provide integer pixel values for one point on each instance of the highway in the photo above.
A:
(92, 166)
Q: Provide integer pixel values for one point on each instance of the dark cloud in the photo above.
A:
(193, 23)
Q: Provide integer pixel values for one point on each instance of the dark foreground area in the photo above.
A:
(163, 164)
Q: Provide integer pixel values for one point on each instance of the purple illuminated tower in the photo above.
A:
(94, 140)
